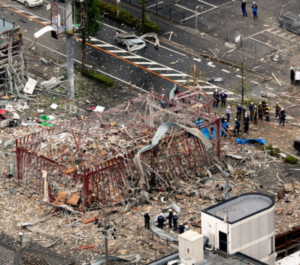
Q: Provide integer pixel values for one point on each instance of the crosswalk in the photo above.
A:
(159, 68)
(284, 34)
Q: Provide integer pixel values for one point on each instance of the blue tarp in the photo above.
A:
(240, 141)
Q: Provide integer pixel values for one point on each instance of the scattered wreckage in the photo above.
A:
(135, 43)
(8, 119)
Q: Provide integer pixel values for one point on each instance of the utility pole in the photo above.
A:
(70, 49)
(242, 114)
(106, 244)
(118, 7)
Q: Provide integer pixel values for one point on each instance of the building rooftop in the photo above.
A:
(293, 259)
(240, 207)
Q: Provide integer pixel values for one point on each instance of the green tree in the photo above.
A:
(89, 21)
(242, 88)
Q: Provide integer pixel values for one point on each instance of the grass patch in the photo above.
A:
(274, 151)
(98, 77)
(127, 18)
(291, 160)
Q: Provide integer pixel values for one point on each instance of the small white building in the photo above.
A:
(293, 259)
(244, 224)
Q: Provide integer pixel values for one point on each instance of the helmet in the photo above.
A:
(239, 104)
(170, 210)
(222, 115)
(147, 211)
(228, 107)
(282, 109)
(276, 102)
(222, 91)
(251, 102)
(235, 119)
(255, 107)
(216, 90)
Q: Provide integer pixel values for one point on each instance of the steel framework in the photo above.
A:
(94, 157)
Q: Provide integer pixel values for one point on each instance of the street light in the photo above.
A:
(197, 16)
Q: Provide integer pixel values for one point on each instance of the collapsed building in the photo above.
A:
(104, 158)
(11, 58)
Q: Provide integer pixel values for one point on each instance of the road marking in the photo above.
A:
(254, 82)
(211, 65)
(114, 55)
(160, 69)
(181, 81)
(205, 11)
(193, 11)
(155, 4)
(174, 75)
(114, 77)
(141, 63)
(131, 57)
(206, 3)
(197, 59)
(117, 51)
(239, 76)
(226, 71)
(103, 45)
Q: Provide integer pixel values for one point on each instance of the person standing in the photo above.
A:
(238, 112)
(175, 219)
(251, 109)
(254, 9)
(228, 113)
(278, 108)
(255, 115)
(282, 116)
(267, 115)
(292, 75)
(224, 128)
(161, 221)
(216, 96)
(297, 78)
(147, 220)
(222, 119)
(170, 217)
(244, 8)
(236, 128)
(181, 228)
(260, 111)
(246, 123)
(264, 104)
(223, 99)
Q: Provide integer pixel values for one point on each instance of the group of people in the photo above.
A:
(254, 9)
(219, 97)
(295, 77)
(172, 217)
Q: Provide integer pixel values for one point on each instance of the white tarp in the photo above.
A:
(42, 31)
(297, 76)
(30, 86)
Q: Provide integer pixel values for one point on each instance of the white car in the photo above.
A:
(31, 3)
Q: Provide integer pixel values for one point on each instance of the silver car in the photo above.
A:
(31, 3)
(132, 41)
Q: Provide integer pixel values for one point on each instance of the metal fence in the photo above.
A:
(161, 8)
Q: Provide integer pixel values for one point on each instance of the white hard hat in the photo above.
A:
(239, 104)
(228, 107)
(253, 2)
(222, 91)
(160, 214)
(147, 211)
(235, 119)
(216, 90)
(225, 120)
(282, 109)
(170, 210)
(222, 115)
(276, 102)
(181, 224)
(291, 67)
(255, 107)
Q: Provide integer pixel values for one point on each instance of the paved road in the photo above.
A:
(145, 69)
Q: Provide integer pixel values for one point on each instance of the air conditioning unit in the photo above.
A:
(211, 239)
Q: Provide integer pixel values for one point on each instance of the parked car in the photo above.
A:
(31, 3)
(290, 22)
(8, 119)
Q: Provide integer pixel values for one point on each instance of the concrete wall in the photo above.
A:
(251, 236)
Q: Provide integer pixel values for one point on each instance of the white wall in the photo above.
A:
(210, 224)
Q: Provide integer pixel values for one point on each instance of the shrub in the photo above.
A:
(291, 160)
(147, 19)
(98, 77)
(151, 26)
(125, 15)
(269, 147)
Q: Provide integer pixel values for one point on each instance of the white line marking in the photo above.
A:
(118, 51)
(103, 45)
(206, 11)
(193, 11)
(206, 3)
(140, 63)
(88, 66)
(226, 71)
(211, 65)
(160, 69)
(131, 57)
(155, 4)
(180, 81)
(212, 86)
(270, 88)
(238, 76)
(197, 59)
(174, 75)
(254, 82)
